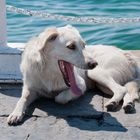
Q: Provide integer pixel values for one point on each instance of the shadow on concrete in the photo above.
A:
(91, 125)
(79, 114)
(13, 90)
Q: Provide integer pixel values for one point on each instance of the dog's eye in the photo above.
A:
(71, 46)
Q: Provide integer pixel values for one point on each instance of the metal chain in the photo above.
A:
(89, 20)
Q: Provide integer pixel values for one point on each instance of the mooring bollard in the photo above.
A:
(3, 29)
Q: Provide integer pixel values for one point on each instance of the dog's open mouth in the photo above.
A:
(68, 75)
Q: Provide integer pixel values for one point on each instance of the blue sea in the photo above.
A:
(126, 36)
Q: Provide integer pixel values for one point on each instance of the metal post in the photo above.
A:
(3, 28)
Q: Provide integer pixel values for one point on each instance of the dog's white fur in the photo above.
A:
(41, 73)
(117, 72)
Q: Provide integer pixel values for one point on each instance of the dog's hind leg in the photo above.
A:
(103, 78)
(131, 96)
(26, 99)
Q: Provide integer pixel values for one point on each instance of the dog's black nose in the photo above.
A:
(92, 64)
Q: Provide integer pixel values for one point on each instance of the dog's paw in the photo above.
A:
(15, 118)
(63, 97)
(129, 108)
(112, 106)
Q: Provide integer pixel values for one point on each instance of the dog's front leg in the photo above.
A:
(26, 99)
(67, 95)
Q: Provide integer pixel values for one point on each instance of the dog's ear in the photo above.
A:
(47, 36)
(51, 34)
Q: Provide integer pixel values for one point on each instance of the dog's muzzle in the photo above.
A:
(69, 77)
(92, 64)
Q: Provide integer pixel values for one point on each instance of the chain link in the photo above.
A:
(89, 20)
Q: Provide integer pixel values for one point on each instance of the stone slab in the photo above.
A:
(52, 128)
(51, 121)
(8, 100)
(20, 132)
(80, 129)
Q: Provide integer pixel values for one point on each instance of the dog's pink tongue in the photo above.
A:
(73, 86)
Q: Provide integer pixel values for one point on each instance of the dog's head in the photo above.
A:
(65, 46)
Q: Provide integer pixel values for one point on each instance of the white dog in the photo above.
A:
(53, 66)
(47, 67)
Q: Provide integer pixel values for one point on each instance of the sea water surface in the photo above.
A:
(126, 36)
